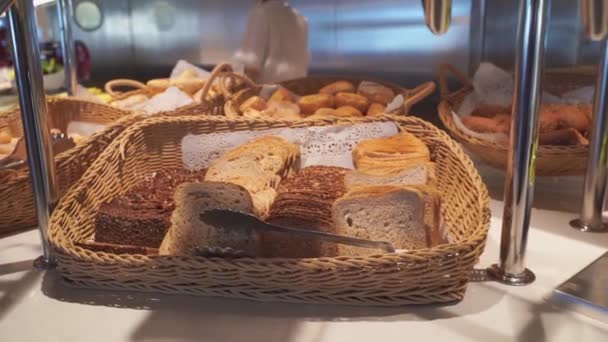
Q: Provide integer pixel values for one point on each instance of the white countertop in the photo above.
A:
(35, 306)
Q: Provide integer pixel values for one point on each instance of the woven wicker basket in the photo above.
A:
(16, 198)
(207, 104)
(432, 275)
(550, 160)
(312, 85)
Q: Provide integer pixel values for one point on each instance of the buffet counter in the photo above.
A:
(35, 306)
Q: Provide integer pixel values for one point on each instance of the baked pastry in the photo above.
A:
(257, 166)
(281, 95)
(337, 87)
(353, 100)
(158, 85)
(375, 92)
(254, 102)
(188, 231)
(347, 111)
(282, 110)
(305, 201)
(408, 217)
(563, 137)
(376, 109)
(141, 216)
(415, 174)
(497, 124)
(311, 103)
(393, 153)
(5, 137)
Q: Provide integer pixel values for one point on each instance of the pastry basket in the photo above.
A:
(209, 102)
(312, 85)
(550, 160)
(17, 200)
(432, 275)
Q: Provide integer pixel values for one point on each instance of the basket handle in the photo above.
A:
(222, 72)
(122, 82)
(417, 94)
(444, 70)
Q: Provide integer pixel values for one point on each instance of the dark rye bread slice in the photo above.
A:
(304, 201)
(141, 217)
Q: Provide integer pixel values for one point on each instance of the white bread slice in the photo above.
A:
(187, 231)
(257, 166)
(408, 217)
(417, 174)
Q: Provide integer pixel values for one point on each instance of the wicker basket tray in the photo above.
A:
(432, 275)
(312, 85)
(550, 160)
(16, 197)
(207, 104)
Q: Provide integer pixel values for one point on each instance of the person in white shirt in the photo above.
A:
(275, 45)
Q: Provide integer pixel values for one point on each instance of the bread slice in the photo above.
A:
(408, 217)
(257, 166)
(417, 174)
(187, 230)
(304, 201)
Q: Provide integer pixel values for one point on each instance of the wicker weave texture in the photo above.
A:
(17, 203)
(550, 160)
(434, 275)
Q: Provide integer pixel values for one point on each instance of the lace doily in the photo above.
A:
(319, 145)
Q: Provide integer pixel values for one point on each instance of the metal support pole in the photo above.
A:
(437, 15)
(64, 12)
(595, 21)
(26, 56)
(519, 182)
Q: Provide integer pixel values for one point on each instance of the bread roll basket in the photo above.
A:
(432, 275)
(312, 85)
(550, 160)
(17, 205)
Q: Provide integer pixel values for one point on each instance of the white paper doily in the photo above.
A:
(319, 145)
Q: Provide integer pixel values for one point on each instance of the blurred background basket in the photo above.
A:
(312, 85)
(17, 209)
(431, 275)
(550, 160)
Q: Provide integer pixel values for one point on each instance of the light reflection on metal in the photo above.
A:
(438, 15)
(594, 190)
(595, 18)
(64, 12)
(28, 71)
(519, 182)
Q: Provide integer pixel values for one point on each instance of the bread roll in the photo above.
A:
(281, 95)
(254, 102)
(353, 100)
(188, 85)
(5, 137)
(338, 87)
(376, 109)
(486, 125)
(311, 103)
(158, 85)
(563, 137)
(375, 92)
(283, 110)
(130, 101)
(347, 111)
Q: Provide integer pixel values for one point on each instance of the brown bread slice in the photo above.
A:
(188, 232)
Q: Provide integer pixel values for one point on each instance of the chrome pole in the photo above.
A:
(595, 20)
(26, 57)
(519, 182)
(64, 13)
(437, 15)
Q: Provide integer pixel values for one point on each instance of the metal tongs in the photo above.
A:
(230, 219)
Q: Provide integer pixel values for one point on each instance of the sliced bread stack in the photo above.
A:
(188, 232)
(258, 166)
(305, 201)
(401, 159)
